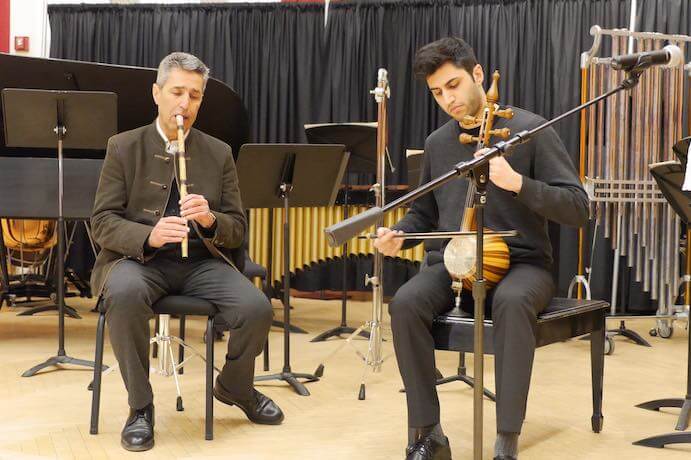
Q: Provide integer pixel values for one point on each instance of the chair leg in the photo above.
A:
(181, 349)
(267, 293)
(266, 288)
(597, 364)
(98, 364)
(154, 350)
(209, 434)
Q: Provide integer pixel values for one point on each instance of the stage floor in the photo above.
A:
(47, 416)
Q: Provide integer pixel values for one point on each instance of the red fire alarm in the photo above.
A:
(21, 43)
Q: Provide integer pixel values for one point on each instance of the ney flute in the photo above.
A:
(182, 171)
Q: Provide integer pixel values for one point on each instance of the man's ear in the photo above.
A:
(155, 92)
(478, 74)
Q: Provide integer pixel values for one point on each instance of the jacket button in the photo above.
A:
(167, 160)
(164, 187)
(157, 213)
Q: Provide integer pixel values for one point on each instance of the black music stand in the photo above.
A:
(281, 175)
(68, 119)
(360, 140)
(670, 177)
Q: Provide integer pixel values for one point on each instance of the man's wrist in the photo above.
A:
(211, 220)
(517, 184)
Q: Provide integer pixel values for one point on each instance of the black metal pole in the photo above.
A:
(61, 246)
(286, 374)
(344, 264)
(286, 279)
(480, 176)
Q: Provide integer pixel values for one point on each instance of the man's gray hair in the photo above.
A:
(183, 61)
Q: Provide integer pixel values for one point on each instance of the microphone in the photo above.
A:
(669, 56)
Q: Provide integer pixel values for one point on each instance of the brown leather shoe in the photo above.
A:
(259, 409)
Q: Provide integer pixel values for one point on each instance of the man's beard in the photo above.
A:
(475, 102)
(474, 105)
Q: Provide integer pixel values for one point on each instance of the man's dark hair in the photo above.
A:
(450, 49)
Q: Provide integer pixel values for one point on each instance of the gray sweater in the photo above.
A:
(551, 191)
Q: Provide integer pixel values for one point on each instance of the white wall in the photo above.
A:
(29, 18)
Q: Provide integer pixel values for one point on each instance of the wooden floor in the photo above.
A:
(47, 416)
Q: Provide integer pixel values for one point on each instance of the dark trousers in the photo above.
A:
(131, 289)
(515, 302)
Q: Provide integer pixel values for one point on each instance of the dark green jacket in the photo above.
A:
(134, 188)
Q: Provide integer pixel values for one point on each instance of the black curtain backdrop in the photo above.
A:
(290, 69)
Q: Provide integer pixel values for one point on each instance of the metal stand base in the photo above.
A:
(684, 417)
(468, 381)
(684, 404)
(373, 330)
(293, 328)
(69, 311)
(662, 440)
(629, 334)
(291, 379)
(338, 332)
(460, 376)
(56, 360)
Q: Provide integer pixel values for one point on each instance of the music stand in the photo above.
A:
(669, 176)
(68, 119)
(360, 140)
(281, 175)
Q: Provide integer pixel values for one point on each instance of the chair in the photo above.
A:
(563, 319)
(252, 270)
(169, 305)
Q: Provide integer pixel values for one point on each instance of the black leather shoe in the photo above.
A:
(138, 433)
(429, 448)
(259, 409)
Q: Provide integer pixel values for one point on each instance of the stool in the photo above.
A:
(563, 319)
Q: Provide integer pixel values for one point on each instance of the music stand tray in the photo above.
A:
(281, 176)
(360, 140)
(63, 119)
(669, 176)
